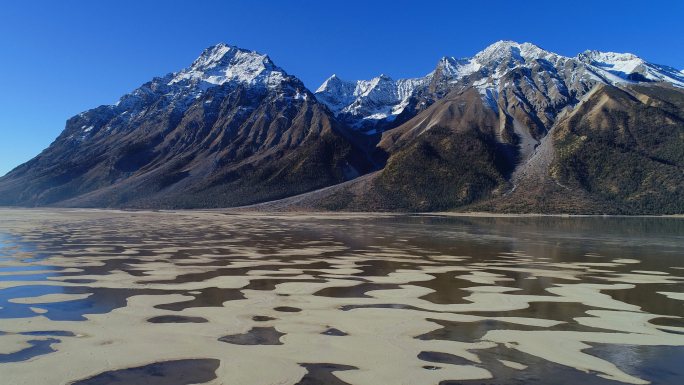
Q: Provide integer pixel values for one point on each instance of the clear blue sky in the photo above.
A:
(59, 58)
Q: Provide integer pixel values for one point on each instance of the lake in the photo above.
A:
(220, 297)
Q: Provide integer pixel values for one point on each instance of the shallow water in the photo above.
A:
(89, 296)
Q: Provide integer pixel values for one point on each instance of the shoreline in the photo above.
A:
(240, 211)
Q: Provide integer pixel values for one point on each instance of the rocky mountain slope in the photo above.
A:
(231, 129)
(514, 128)
(493, 133)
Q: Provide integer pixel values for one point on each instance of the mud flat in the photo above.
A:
(188, 297)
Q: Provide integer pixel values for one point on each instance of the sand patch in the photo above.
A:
(514, 365)
(49, 298)
(10, 343)
(677, 296)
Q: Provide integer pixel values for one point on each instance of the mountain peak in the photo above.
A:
(502, 44)
(226, 63)
(333, 82)
(510, 49)
(500, 48)
(589, 56)
(216, 53)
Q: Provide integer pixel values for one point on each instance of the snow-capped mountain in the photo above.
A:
(505, 72)
(516, 128)
(219, 70)
(197, 132)
(377, 100)
(223, 63)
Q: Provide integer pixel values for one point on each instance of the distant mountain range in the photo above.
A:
(379, 104)
(513, 129)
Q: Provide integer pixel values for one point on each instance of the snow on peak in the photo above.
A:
(500, 49)
(336, 93)
(608, 57)
(630, 67)
(360, 103)
(451, 67)
(217, 65)
(225, 63)
(625, 63)
(333, 83)
(375, 99)
(506, 49)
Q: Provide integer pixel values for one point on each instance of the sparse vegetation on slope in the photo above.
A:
(624, 152)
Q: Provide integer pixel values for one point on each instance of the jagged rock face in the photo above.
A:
(226, 86)
(528, 84)
(617, 151)
(369, 106)
(230, 110)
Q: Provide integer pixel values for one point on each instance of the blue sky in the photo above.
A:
(62, 58)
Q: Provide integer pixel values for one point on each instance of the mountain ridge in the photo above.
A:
(515, 128)
(601, 66)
